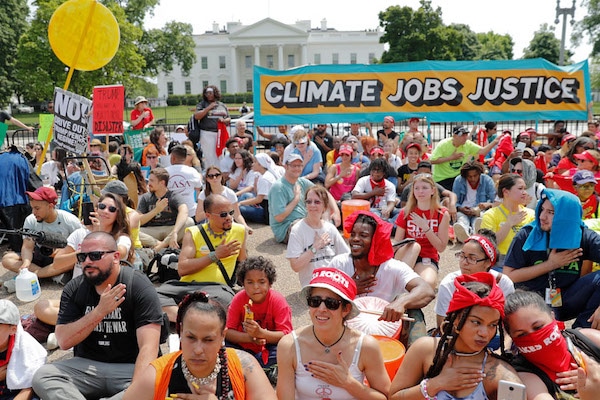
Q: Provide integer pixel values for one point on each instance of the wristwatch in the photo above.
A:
(313, 249)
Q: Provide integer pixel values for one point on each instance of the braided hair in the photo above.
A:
(199, 301)
(450, 334)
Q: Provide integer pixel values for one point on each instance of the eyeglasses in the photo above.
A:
(588, 147)
(516, 171)
(315, 202)
(331, 304)
(211, 176)
(225, 213)
(102, 206)
(469, 260)
(586, 186)
(93, 255)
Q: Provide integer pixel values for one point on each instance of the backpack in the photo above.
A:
(166, 262)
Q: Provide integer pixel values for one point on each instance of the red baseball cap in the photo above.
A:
(586, 155)
(44, 193)
(566, 138)
(413, 144)
(338, 282)
(346, 149)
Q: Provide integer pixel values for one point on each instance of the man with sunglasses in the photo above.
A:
(111, 316)
(44, 218)
(164, 214)
(199, 263)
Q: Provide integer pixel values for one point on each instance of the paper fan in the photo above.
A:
(368, 319)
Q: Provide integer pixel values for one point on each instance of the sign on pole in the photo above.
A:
(71, 113)
(108, 110)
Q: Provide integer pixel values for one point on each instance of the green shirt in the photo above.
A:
(451, 169)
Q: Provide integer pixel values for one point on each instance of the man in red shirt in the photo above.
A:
(141, 115)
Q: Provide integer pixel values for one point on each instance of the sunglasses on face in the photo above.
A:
(226, 213)
(93, 255)
(102, 206)
(151, 157)
(211, 176)
(331, 304)
(516, 171)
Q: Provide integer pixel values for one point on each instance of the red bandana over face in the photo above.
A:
(546, 348)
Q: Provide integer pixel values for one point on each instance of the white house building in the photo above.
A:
(225, 57)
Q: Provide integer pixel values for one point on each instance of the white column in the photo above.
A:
(256, 54)
(304, 54)
(281, 65)
(234, 71)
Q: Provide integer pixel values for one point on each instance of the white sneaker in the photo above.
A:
(460, 232)
(51, 342)
(10, 285)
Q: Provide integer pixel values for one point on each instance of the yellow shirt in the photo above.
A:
(212, 273)
(495, 217)
(135, 232)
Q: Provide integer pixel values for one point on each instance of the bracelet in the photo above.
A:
(213, 256)
(424, 392)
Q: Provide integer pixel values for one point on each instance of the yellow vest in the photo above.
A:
(212, 273)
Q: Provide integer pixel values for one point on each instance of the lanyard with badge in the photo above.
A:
(553, 294)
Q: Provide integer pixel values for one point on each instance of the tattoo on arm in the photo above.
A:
(248, 363)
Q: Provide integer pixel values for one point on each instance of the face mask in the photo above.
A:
(546, 349)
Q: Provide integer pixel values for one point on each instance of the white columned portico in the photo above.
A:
(304, 54)
(234, 69)
(256, 54)
(280, 65)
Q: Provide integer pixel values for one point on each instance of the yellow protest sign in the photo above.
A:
(84, 34)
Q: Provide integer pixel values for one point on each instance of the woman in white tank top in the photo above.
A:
(328, 360)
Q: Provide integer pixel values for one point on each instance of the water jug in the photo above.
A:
(27, 286)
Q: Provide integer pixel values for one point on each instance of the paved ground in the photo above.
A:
(261, 242)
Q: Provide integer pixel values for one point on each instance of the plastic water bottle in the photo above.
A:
(27, 286)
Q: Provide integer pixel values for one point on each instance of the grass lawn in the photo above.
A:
(172, 114)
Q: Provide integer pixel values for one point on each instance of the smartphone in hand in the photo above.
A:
(86, 209)
(511, 391)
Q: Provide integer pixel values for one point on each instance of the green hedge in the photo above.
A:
(193, 99)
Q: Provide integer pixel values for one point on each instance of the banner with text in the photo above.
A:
(136, 140)
(441, 91)
(109, 103)
(71, 113)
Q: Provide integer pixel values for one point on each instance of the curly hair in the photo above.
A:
(154, 135)
(471, 166)
(450, 332)
(216, 92)
(259, 263)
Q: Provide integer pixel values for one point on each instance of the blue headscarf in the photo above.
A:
(567, 224)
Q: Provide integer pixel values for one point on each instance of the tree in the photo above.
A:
(590, 25)
(495, 46)
(40, 71)
(544, 45)
(470, 46)
(421, 35)
(13, 22)
(418, 35)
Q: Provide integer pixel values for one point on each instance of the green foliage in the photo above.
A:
(544, 45)
(13, 17)
(495, 46)
(40, 71)
(416, 35)
(164, 47)
(590, 25)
